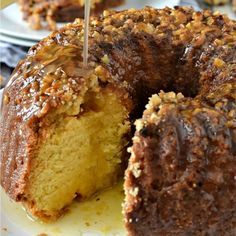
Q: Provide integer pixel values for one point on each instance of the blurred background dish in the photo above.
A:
(16, 41)
(224, 6)
(13, 25)
(44, 14)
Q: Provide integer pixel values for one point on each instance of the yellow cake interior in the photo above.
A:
(81, 156)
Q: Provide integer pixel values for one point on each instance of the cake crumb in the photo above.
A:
(136, 170)
(138, 124)
(87, 224)
(134, 191)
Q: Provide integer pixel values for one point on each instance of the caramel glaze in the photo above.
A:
(138, 53)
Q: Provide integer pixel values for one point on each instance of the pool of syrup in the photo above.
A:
(99, 216)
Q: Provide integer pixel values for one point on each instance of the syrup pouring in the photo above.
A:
(86, 32)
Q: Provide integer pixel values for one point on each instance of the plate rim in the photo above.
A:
(17, 41)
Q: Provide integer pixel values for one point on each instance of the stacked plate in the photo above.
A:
(16, 31)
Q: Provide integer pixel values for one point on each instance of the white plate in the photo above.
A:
(17, 41)
(12, 24)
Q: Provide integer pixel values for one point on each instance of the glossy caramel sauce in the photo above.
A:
(98, 216)
(86, 31)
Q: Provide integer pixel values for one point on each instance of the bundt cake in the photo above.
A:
(65, 129)
(51, 11)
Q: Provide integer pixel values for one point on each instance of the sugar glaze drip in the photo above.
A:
(86, 32)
